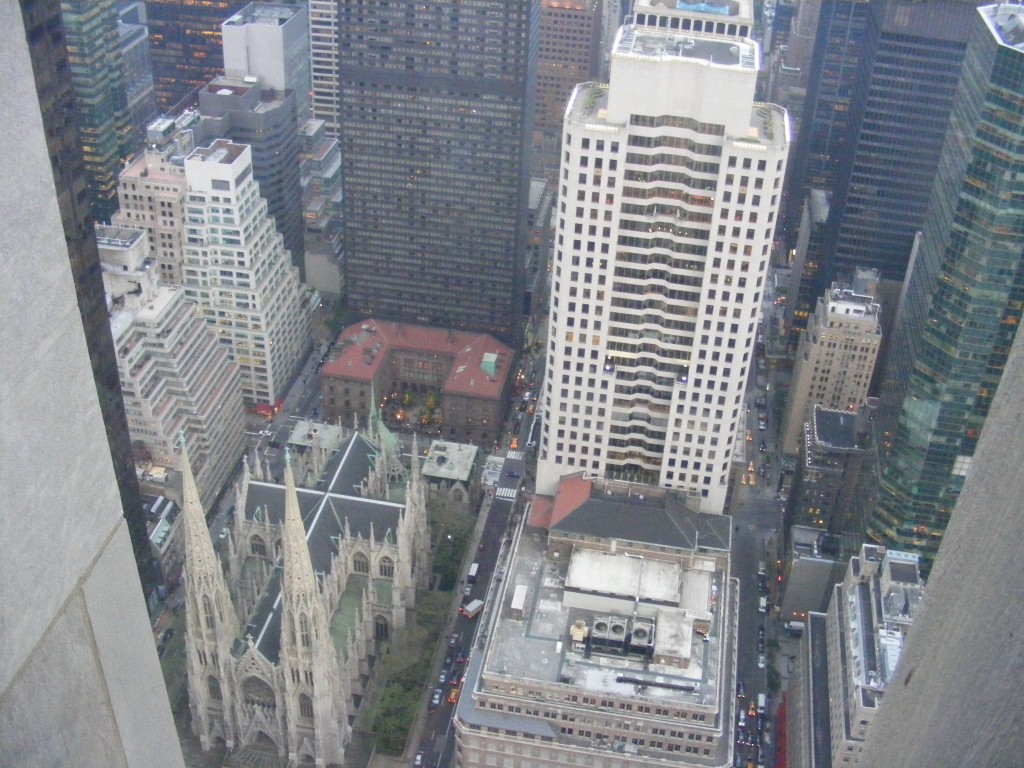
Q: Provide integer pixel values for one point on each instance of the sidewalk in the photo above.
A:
(416, 732)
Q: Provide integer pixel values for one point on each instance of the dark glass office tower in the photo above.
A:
(904, 92)
(185, 44)
(434, 121)
(97, 75)
(45, 33)
(882, 82)
(965, 297)
(824, 135)
(823, 139)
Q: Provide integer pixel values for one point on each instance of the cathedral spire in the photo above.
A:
(201, 561)
(298, 568)
(414, 464)
(210, 620)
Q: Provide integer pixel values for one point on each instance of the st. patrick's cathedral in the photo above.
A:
(279, 647)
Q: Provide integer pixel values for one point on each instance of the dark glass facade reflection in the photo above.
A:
(435, 115)
(97, 75)
(185, 44)
(823, 136)
(963, 303)
(913, 52)
(45, 33)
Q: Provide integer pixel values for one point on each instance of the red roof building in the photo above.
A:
(468, 371)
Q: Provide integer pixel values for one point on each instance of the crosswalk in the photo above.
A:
(516, 455)
(492, 471)
(506, 493)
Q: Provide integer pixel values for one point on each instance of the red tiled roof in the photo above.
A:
(571, 494)
(540, 512)
(365, 345)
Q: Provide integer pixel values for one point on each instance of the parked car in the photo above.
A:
(418, 760)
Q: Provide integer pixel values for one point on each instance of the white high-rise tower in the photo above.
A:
(670, 185)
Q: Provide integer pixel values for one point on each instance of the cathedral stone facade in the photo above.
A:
(279, 646)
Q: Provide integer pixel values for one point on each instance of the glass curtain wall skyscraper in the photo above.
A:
(882, 81)
(434, 122)
(900, 112)
(964, 300)
(837, 54)
(185, 39)
(101, 101)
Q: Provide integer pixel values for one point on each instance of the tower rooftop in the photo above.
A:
(676, 44)
(272, 14)
(220, 151)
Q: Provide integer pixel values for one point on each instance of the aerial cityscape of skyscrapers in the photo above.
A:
(511, 382)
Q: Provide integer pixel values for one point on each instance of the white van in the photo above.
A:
(760, 703)
(795, 628)
(762, 604)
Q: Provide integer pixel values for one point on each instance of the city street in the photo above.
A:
(501, 511)
(757, 516)
(489, 551)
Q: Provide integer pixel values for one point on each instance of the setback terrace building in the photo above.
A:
(835, 359)
(175, 377)
(239, 274)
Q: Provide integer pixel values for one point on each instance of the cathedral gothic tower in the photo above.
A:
(321, 577)
(211, 623)
(317, 714)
